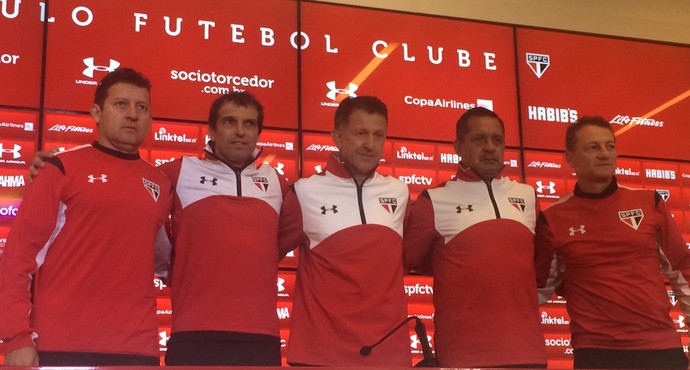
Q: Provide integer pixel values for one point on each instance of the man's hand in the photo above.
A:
(38, 161)
(25, 356)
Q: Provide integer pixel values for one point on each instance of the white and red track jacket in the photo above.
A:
(481, 240)
(86, 229)
(225, 231)
(349, 288)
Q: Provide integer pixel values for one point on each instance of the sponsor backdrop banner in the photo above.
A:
(192, 51)
(642, 88)
(429, 71)
(21, 30)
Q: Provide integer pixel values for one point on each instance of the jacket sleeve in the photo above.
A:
(420, 236)
(547, 264)
(674, 255)
(164, 247)
(27, 246)
(291, 231)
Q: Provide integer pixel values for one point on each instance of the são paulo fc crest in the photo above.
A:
(518, 203)
(260, 182)
(664, 193)
(153, 188)
(632, 218)
(538, 63)
(389, 204)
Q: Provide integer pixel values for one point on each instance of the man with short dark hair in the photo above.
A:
(608, 243)
(233, 218)
(477, 230)
(349, 288)
(84, 238)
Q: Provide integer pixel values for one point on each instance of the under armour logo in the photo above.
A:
(15, 151)
(90, 67)
(214, 181)
(164, 338)
(415, 343)
(551, 187)
(333, 209)
(461, 208)
(538, 63)
(573, 230)
(680, 322)
(101, 178)
(279, 168)
(281, 284)
(334, 91)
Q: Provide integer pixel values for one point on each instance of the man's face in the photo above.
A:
(125, 119)
(360, 142)
(236, 134)
(594, 155)
(482, 147)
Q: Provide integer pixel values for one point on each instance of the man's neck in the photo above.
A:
(594, 187)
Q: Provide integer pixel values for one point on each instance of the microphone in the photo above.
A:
(419, 329)
(366, 350)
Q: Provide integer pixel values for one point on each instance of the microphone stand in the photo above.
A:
(419, 329)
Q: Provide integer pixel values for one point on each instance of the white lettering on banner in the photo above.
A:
(65, 128)
(627, 171)
(322, 148)
(163, 135)
(434, 56)
(660, 174)
(159, 162)
(403, 153)
(438, 103)
(43, 13)
(267, 37)
(560, 342)
(538, 164)
(178, 27)
(546, 319)
(9, 211)
(283, 313)
(7, 181)
(8, 58)
(159, 284)
(450, 158)
(84, 10)
(636, 121)
(14, 13)
(425, 289)
(548, 114)
(27, 126)
(198, 76)
(416, 180)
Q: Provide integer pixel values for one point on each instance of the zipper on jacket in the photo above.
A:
(493, 200)
(362, 216)
(238, 176)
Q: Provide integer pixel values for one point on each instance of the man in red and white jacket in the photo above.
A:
(349, 288)
(603, 246)
(232, 219)
(84, 237)
(478, 232)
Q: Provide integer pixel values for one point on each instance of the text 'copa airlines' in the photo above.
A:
(83, 16)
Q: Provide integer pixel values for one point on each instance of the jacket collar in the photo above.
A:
(209, 153)
(469, 174)
(613, 186)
